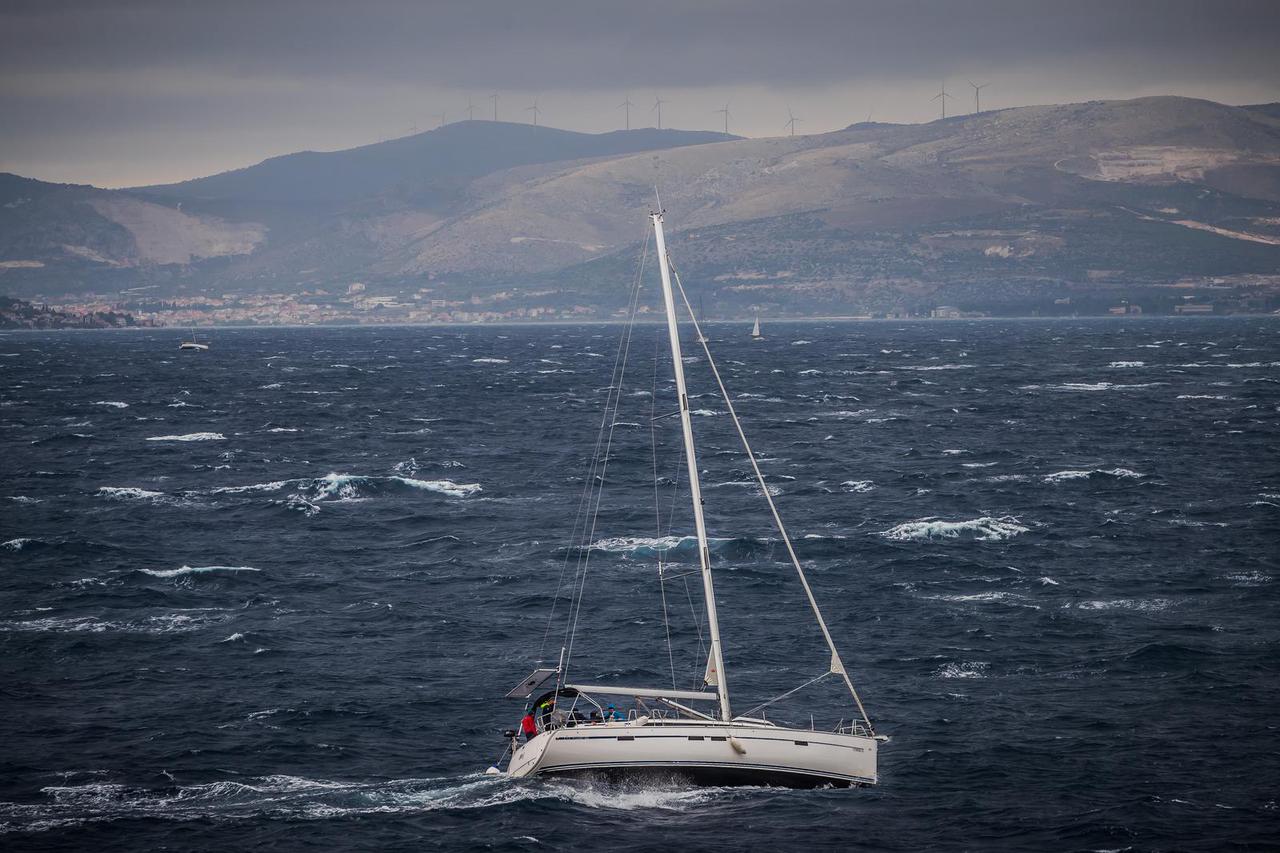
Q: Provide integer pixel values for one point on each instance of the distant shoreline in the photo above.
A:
(795, 321)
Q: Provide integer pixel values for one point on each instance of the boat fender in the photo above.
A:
(640, 721)
(737, 745)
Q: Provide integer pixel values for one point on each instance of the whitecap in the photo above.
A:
(128, 493)
(1117, 473)
(490, 361)
(256, 487)
(17, 544)
(444, 487)
(649, 544)
(1139, 604)
(858, 486)
(115, 404)
(937, 366)
(195, 570)
(963, 669)
(191, 436)
(1124, 364)
(984, 529)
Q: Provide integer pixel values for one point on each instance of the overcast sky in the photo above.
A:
(127, 93)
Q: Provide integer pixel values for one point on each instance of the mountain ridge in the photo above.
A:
(1091, 195)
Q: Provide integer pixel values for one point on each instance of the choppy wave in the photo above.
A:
(1147, 605)
(650, 546)
(195, 570)
(984, 529)
(858, 486)
(963, 669)
(122, 493)
(1115, 473)
(1091, 386)
(335, 486)
(115, 404)
(179, 622)
(191, 436)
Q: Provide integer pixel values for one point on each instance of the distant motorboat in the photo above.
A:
(755, 330)
(193, 344)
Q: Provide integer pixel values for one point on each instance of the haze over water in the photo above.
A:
(274, 593)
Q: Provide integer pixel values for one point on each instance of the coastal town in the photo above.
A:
(357, 304)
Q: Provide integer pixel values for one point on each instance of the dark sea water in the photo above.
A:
(273, 593)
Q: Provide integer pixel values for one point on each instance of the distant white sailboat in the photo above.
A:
(193, 344)
(581, 734)
(755, 330)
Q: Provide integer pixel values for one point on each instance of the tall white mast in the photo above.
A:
(691, 459)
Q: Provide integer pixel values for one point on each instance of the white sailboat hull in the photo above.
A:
(703, 753)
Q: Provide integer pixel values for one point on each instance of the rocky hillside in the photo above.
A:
(1002, 205)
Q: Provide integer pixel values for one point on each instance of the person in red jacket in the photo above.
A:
(529, 727)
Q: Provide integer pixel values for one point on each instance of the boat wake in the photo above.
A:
(298, 798)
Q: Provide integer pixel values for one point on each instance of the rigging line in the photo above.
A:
(599, 462)
(698, 617)
(836, 664)
(657, 511)
(572, 627)
(588, 482)
(782, 696)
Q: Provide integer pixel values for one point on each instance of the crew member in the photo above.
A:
(529, 726)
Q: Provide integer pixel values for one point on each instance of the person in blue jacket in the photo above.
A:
(612, 713)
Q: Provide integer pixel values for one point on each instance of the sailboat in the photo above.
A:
(755, 330)
(193, 344)
(690, 734)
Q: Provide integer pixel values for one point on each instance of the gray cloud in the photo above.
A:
(84, 82)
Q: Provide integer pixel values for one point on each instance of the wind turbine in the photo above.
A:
(534, 109)
(494, 98)
(726, 117)
(471, 108)
(977, 100)
(943, 95)
(440, 118)
(627, 105)
(791, 121)
(657, 105)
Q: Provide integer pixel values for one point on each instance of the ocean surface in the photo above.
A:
(274, 593)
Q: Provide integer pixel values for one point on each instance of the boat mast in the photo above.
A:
(691, 459)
